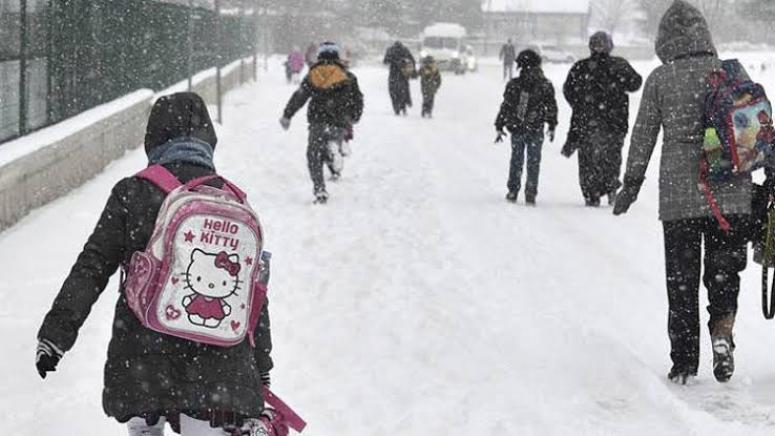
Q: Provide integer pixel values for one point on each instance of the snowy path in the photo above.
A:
(417, 301)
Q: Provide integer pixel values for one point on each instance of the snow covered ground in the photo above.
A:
(417, 302)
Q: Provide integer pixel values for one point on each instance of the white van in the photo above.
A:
(446, 43)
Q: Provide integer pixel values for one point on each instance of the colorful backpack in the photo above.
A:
(739, 133)
(198, 278)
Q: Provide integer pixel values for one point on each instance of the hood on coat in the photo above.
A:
(327, 75)
(181, 115)
(683, 32)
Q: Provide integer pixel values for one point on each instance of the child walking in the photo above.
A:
(430, 81)
(528, 104)
(150, 377)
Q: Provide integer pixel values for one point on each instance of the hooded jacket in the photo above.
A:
(528, 103)
(596, 89)
(334, 94)
(673, 100)
(149, 374)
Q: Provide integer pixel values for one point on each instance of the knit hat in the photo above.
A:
(179, 115)
(601, 43)
(528, 59)
(328, 51)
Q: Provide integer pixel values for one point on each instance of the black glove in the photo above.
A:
(47, 358)
(266, 380)
(627, 196)
(501, 134)
(551, 134)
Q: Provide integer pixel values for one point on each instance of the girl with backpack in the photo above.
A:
(150, 377)
(674, 100)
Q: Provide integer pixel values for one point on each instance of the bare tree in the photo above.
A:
(612, 15)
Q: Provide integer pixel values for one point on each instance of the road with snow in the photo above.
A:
(417, 302)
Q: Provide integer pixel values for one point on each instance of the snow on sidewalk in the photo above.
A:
(417, 301)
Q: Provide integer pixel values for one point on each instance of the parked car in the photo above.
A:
(554, 54)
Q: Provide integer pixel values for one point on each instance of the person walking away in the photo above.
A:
(673, 100)
(596, 89)
(430, 82)
(528, 104)
(296, 64)
(402, 68)
(336, 104)
(150, 377)
(508, 55)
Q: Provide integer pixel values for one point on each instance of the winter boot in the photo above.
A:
(681, 376)
(511, 197)
(592, 202)
(723, 348)
(530, 200)
(321, 197)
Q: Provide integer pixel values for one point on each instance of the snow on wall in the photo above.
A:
(537, 6)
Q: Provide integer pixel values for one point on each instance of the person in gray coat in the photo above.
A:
(673, 100)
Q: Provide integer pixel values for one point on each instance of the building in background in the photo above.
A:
(557, 22)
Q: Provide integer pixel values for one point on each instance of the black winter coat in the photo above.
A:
(147, 373)
(528, 103)
(336, 98)
(399, 57)
(596, 89)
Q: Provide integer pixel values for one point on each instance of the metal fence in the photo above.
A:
(59, 58)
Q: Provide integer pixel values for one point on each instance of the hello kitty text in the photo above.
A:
(220, 233)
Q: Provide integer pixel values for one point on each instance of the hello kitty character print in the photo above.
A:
(198, 279)
(212, 278)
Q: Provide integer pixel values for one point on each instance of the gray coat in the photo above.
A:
(673, 100)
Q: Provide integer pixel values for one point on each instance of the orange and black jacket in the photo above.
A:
(335, 98)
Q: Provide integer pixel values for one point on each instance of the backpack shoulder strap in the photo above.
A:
(161, 177)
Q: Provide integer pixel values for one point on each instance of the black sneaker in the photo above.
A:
(511, 197)
(723, 360)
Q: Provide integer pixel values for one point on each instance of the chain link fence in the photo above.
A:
(59, 58)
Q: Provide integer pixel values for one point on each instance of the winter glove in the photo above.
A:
(285, 122)
(349, 134)
(551, 134)
(501, 134)
(47, 358)
(627, 196)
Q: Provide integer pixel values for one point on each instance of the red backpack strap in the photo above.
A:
(161, 177)
(294, 421)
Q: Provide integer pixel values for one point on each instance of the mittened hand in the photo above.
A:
(285, 123)
(47, 357)
(551, 135)
(499, 138)
(624, 200)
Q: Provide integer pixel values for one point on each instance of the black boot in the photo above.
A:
(723, 360)
(530, 199)
(681, 376)
(511, 197)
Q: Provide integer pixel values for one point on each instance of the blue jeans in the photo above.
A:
(532, 142)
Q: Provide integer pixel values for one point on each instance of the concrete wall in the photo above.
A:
(48, 164)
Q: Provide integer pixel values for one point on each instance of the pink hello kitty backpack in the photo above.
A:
(198, 278)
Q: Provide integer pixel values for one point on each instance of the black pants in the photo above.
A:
(428, 99)
(400, 93)
(600, 163)
(318, 153)
(725, 257)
